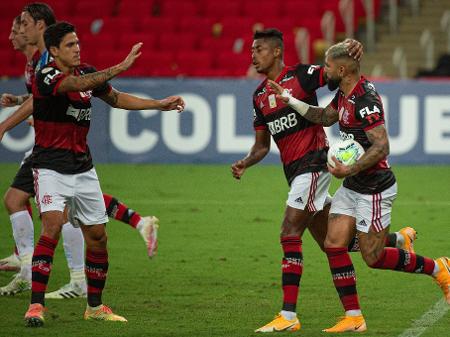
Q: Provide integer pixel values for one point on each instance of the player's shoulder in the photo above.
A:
(306, 69)
(85, 68)
(50, 68)
(260, 89)
(366, 91)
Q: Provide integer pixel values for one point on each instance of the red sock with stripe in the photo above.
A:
(96, 268)
(120, 211)
(292, 268)
(402, 260)
(344, 277)
(41, 267)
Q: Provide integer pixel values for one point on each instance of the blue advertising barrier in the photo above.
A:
(216, 126)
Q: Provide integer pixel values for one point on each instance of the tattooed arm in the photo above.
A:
(93, 80)
(377, 151)
(324, 116)
(123, 100)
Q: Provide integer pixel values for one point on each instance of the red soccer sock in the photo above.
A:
(344, 278)
(120, 211)
(399, 259)
(96, 268)
(41, 267)
(292, 268)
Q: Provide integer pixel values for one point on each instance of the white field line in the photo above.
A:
(434, 314)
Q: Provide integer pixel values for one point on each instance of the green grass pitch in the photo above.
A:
(217, 272)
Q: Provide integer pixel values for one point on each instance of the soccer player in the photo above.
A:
(365, 198)
(23, 230)
(62, 164)
(12, 262)
(303, 149)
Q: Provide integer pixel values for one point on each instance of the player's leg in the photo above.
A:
(147, 226)
(73, 243)
(52, 192)
(375, 211)
(341, 228)
(307, 196)
(89, 212)
(17, 203)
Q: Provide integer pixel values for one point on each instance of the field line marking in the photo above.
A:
(436, 312)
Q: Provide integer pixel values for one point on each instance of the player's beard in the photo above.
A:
(333, 83)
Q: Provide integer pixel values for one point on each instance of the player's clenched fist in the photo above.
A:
(238, 169)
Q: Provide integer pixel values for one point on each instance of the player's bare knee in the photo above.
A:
(14, 202)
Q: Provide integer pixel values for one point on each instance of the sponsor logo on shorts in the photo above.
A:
(46, 199)
(299, 200)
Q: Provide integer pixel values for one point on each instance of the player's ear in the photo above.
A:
(277, 52)
(41, 25)
(53, 51)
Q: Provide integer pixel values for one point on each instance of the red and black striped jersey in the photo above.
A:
(62, 121)
(30, 70)
(303, 145)
(359, 112)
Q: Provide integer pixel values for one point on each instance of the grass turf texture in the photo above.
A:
(217, 272)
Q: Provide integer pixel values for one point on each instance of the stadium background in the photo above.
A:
(199, 284)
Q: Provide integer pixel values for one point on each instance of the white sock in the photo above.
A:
(23, 231)
(140, 224)
(73, 243)
(400, 241)
(436, 269)
(289, 315)
(25, 266)
(353, 313)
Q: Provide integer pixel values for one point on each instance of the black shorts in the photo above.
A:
(24, 177)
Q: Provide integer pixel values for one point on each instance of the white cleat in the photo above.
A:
(10, 263)
(70, 290)
(149, 232)
(17, 285)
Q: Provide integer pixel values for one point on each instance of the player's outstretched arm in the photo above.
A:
(324, 116)
(10, 100)
(123, 100)
(258, 151)
(93, 80)
(24, 111)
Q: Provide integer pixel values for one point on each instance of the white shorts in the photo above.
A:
(369, 210)
(80, 192)
(309, 191)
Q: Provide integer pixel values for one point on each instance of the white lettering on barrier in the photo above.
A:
(227, 140)
(201, 126)
(437, 124)
(118, 131)
(16, 144)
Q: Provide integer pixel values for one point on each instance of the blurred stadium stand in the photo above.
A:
(213, 38)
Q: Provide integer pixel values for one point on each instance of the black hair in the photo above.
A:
(272, 34)
(40, 11)
(17, 20)
(55, 33)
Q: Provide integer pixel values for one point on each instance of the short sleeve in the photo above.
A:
(259, 122)
(101, 90)
(48, 80)
(310, 77)
(369, 110)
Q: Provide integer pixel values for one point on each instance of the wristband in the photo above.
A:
(19, 100)
(299, 106)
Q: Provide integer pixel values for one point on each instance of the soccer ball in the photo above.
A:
(346, 151)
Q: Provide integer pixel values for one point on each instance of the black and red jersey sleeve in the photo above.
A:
(310, 77)
(259, 122)
(101, 90)
(369, 110)
(48, 80)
